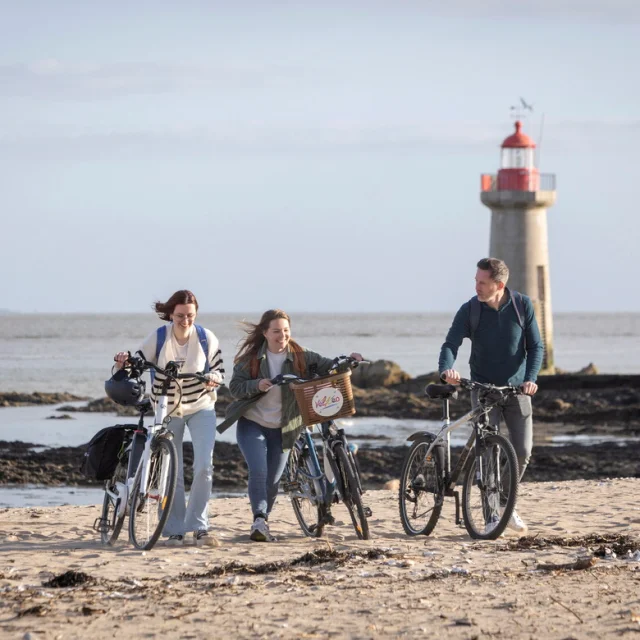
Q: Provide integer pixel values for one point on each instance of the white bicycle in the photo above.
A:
(144, 481)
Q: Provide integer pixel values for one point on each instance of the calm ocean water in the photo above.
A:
(42, 352)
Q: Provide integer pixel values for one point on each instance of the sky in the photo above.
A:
(313, 156)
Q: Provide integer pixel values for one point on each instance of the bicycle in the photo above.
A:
(147, 489)
(490, 476)
(312, 489)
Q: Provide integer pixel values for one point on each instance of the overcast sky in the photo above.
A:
(307, 155)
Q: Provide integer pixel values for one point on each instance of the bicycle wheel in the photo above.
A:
(302, 491)
(149, 511)
(421, 492)
(110, 524)
(491, 498)
(351, 492)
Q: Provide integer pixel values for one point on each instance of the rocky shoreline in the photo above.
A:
(571, 403)
(601, 402)
(25, 463)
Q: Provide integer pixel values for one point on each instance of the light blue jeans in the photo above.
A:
(262, 449)
(194, 516)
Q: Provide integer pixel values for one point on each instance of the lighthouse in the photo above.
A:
(519, 197)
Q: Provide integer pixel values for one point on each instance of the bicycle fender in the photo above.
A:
(422, 436)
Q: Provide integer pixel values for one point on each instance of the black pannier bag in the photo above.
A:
(104, 450)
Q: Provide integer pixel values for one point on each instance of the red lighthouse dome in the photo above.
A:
(518, 140)
(517, 172)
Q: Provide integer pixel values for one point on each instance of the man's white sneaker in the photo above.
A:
(260, 531)
(516, 524)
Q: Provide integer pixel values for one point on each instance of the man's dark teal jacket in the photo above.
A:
(500, 354)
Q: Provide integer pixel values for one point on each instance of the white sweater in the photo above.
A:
(194, 394)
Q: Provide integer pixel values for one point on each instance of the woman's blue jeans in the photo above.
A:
(194, 516)
(262, 449)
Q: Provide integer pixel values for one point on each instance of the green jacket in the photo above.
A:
(244, 389)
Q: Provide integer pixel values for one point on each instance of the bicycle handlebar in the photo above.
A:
(471, 385)
(287, 378)
(139, 364)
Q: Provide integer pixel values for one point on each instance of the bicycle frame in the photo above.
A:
(324, 486)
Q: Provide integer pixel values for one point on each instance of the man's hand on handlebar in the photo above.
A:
(356, 356)
(450, 376)
(264, 384)
(529, 388)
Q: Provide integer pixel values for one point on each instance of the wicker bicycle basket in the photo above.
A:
(325, 398)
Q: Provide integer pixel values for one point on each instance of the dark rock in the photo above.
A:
(64, 416)
(15, 399)
(381, 373)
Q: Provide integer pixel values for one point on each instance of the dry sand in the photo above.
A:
(445, 585)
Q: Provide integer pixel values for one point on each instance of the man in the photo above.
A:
(506, 349)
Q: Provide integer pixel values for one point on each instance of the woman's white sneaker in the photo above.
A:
(260, 531)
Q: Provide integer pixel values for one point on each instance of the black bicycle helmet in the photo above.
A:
(125, 390)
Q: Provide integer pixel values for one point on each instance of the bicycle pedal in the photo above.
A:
(101, 525)
(288, 487)
(367, 512)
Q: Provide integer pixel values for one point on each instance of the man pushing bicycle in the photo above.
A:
(506, 349)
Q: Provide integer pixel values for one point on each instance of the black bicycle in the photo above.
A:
(490, 475)
(315, 481)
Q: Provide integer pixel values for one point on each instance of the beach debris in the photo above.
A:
(91, 611)
(600, 545)
(563, 605)
(69, 579)
(578, 565)
(309, 559)
(464, 622)
(36, 610)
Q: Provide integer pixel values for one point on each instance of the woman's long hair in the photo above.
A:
(165, 309)
(254, 340)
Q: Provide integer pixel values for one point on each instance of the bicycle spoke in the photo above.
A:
(420, 490)
(489, 497)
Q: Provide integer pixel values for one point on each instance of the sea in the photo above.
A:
(74, 353)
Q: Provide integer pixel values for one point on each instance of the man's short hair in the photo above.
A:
(498, 270)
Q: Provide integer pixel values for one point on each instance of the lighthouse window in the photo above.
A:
(517, 158)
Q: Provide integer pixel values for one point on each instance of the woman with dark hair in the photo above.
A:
(194, 349)
(269, 420)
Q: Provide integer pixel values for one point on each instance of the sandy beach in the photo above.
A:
(577, 575)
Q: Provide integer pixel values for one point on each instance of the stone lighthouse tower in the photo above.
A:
(518, 197)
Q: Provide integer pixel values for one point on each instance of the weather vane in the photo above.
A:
(521, 110)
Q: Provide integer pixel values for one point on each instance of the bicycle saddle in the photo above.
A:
(442, 391)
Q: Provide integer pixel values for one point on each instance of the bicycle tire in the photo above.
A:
(501, 496)
(420, 479)
(110, 526)
(149, 512)
(351, 492)
(308, 510)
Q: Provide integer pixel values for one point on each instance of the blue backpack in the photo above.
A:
(475, 309)
(161, 336)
